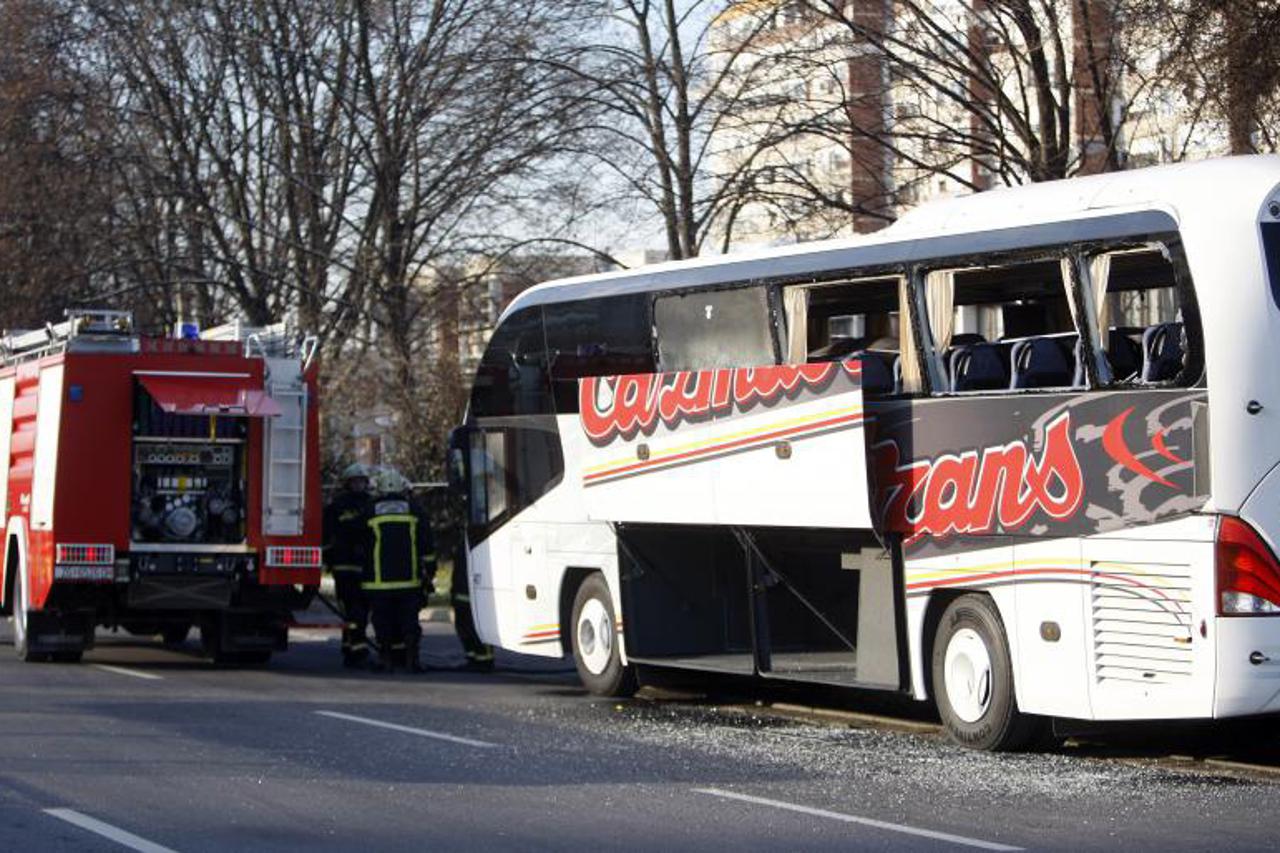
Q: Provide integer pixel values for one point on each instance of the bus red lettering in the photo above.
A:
(686, 397)
(957, 494)
(950, 502)
(1058, 462)
(636, 402)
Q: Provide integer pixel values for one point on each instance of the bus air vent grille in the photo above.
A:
(1141, 622)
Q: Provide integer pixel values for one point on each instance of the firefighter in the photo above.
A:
(397, 570)
(479, 653)
(346, 541)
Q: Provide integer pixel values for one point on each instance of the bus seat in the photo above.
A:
(877, 376)
(1039, 363)
(1161, 352)
(960, 339)
(1123, 354)
(897, 374)
(978, 367)
(838, 349)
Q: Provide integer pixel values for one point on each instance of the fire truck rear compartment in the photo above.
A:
(188, 478)
(188, 563)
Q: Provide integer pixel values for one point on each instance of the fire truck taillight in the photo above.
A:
(84, 562)
(85, 555)
(279, 557)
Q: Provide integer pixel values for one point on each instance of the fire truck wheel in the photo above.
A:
(595, 641)
(973, 678)
(21, 607)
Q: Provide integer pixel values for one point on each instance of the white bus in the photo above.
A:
(1016, 454)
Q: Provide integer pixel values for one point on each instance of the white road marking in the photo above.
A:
(865, 821)
(465, 741)
(106, 830)
(120, 670)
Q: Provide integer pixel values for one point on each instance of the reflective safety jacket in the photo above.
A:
(402, 554)
(346, 531)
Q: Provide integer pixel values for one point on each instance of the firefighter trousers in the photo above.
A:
(354, 602)
(395, 622)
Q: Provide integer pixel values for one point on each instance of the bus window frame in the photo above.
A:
(908, 314)
(1171, 246)
(1078, 291)
(553, 354)
(935, 368)
(772, 309)
(819, 284)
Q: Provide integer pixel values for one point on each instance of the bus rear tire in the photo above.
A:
(973, 678)
(594, 640)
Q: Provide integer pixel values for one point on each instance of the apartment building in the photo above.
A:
(877, 106)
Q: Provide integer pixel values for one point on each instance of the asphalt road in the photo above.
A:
(161, 750)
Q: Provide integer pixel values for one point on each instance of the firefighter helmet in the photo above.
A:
(355, 471)
(389, 481)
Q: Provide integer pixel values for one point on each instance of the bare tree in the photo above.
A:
(455, 109)
(978, 93)
(680, 114)
(1222, 59)
(54, 197)
(238, 146)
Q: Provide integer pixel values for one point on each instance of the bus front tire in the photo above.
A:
(973, 678)
(595, 641)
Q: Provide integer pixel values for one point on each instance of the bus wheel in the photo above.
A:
(973, 678)
(595, 641)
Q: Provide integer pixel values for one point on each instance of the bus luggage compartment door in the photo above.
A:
(780, 445)
(812, 605)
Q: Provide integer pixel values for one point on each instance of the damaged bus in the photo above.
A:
(967, 458)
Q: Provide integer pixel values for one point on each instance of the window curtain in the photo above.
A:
(795, 303)
(940, 297)
(1099, 275)
(1069, 276)
(910, 362)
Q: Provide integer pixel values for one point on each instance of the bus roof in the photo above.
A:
(1035, 214)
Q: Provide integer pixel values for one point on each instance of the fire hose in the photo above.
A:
(336, 611)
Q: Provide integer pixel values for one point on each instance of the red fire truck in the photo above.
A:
(156, 484)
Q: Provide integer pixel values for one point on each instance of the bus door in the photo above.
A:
(477, 476)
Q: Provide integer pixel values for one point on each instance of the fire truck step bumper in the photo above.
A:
(169, 592)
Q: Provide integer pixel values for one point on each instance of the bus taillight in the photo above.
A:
(1248, 574)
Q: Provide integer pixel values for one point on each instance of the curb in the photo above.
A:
(855, 718)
